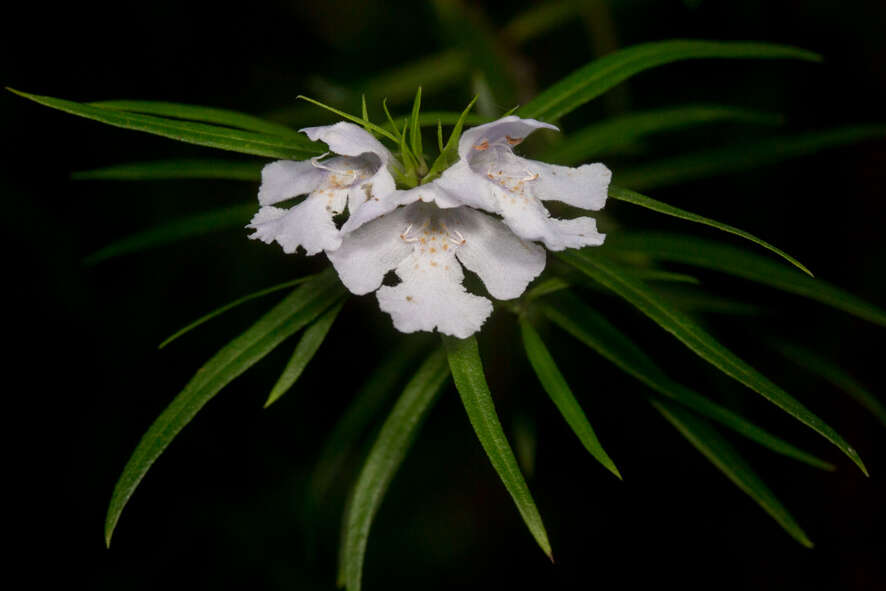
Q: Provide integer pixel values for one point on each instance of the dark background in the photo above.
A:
(223, 507)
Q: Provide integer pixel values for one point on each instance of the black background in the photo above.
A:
(222, 508)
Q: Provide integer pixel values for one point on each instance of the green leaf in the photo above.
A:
(538, 20)
(307, 347)
(415, 129)
(224, 138)
(467, 372)
(597, 77)
(594, 140)
(701, 343)
(555, 385)
(836, 375)
(746, 156)
(465, 26)
(720, 453)
(699, 252)
(174, 231)
(591, 328)
(649, 203)
(387, 453)
(367, 125)
(183, 168)
(199, 113)
(449, 155)
(283, 320)
(221, 310)
(366, 404)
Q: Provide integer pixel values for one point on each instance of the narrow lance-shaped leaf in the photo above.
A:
(387, 453)
(174, 231)
(200, 113)
(183, 168)
(599, 138)
(202, 134)
(307, 347)
(701, 343)
(222, 309)
(720, 453)
(449, 154)
(836, 375)
(591, 328)
(369, 400)
(467, 372)
(283, 320)
(747, 156)
(649, 203)
(709, 254)
(555, 385)
(415, 129)
(597, 77)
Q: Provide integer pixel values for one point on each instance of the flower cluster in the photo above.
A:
(428, 233)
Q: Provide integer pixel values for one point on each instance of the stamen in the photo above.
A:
(315, 162)
(405, 235)
(513, 140)
(482, 146)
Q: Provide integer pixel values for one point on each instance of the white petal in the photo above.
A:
(529, 219)
(308, 224)
(378, 186)
(349, 139)
(431, 296)
(366, 254)
(585, 186)
(510, 130)
(284, 179)
(379, 206)
(462, 186)
(504, 262)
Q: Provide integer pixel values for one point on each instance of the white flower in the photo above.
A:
(359, 173)
(490, 176)
(428, 233)
(427, 247)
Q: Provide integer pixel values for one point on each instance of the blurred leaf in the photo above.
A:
(747, 156)
(307, 347)
(600, 75)
(659, 275)
(387, 453)
(539, 19)
(200, 113)
(555, 385)
(720, 453)
(179, 229)
(467, 372)
(545, 287)
(591, 328)
(283, 320)
(701, 343)
(836, 375)
(183, 168)
(366, 404)
(694, 300)
(432, 72)
(699, 252)
(213, 136)
(230, 305)
(650, 203)
(580, 146)
(464, 26)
